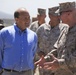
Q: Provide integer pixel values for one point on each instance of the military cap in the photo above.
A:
(41, 11)
(34, 19)
(1, 24)
(54, 10)
(67, 6)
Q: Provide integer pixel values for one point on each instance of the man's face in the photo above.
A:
(54, 19)
(74, 15)
(23, 20)
(41, 17)
(69, 17)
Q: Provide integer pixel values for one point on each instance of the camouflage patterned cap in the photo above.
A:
(41, 11)
(54, 10)
(67, 6)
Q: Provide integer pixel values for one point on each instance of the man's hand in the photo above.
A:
(40, 62)
(54, 65)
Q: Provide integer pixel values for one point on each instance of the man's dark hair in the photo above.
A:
(16, 14)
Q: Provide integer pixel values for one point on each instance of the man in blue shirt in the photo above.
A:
(18, 46)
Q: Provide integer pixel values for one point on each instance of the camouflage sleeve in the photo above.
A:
(53, 51)
(40, 50)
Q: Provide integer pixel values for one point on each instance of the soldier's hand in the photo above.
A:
(54, 65)
(40, 61)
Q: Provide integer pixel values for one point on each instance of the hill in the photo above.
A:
(4, 15)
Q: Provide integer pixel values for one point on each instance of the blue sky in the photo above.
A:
(9, 6)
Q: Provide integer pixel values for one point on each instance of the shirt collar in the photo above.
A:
(18, 30)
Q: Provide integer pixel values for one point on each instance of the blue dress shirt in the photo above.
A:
(17, 48)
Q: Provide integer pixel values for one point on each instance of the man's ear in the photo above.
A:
(16, 19)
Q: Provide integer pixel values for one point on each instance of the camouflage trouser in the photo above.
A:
(45, 72)
(63, 72)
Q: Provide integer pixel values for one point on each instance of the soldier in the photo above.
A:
(41, 19)
(65, 63)
(48, 35)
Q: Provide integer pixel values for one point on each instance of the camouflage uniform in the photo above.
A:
(66, 47)
(47, 36)
(68, 51)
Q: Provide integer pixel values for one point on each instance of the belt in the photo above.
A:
(9, 70)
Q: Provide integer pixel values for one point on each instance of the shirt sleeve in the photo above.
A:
(35, 45)
(41, 49)
(40, 42)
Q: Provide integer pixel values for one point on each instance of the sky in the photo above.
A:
(9, 6)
